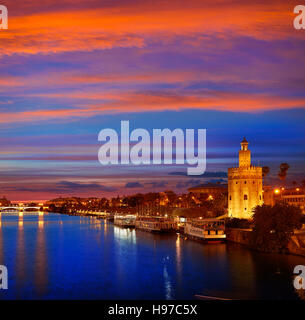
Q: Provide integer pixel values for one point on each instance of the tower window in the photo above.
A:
(245, 182)
(245, 197)
(236, 182)
(245, 209)
(260, 197)
(230, 197)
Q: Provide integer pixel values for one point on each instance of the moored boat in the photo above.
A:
(206, 229)
(109, 217)
(125, 221)
(106, 216)
(155, 224)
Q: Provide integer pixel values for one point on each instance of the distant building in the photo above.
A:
(60, 201)
(245, 186)
(292, 196)
(295, 197)
(210, 190)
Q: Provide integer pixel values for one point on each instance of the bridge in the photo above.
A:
(19, 209)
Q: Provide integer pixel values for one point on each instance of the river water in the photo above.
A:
(69, 257)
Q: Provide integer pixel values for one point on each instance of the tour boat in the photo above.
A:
(106, 216)
(155, 224)
(125, 221)
(109, 217)
(206, 229)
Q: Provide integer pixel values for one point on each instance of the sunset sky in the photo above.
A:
(236, 68)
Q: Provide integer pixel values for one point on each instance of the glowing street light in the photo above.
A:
(276, 191)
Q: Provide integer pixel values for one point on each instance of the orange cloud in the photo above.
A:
(133, 26)
(35, 30)
(210, 100)
(156, 101)
(42, 115)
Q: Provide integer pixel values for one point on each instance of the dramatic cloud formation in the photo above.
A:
(134, 24)
(72, 68)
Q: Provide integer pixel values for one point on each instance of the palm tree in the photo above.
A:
(283, 171)
(266, 171)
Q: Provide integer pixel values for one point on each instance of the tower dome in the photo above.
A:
(244, 144)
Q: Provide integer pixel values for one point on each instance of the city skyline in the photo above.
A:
(69, 71)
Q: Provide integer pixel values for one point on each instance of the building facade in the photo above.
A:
(295, 197)
(245, 186)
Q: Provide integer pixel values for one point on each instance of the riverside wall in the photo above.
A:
(243, 236)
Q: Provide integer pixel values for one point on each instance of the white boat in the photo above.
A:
(106, 216)
(155, 224)
(126, 221)
(206, 229)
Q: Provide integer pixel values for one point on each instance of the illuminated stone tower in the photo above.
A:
(245, 185)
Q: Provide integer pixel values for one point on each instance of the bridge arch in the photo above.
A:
(13, 209)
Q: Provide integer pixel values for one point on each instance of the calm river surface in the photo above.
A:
(64, 257)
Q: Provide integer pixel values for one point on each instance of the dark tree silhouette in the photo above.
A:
(274, 226)
(283, 171)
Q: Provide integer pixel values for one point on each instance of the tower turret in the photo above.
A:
(244, 154)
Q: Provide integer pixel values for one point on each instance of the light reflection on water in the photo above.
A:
(65, 257)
